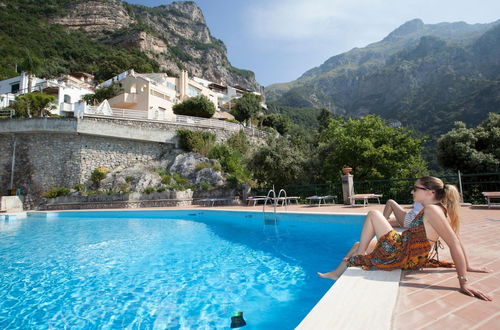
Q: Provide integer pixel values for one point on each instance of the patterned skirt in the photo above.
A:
(395, 251)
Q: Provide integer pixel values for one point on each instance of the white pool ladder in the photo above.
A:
(275, 200)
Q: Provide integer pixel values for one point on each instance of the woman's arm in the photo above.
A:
(436, 218)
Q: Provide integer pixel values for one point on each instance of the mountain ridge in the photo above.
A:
(392, 78)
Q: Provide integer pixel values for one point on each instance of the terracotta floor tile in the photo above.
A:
(477, 311)
(493, 324)
(449, 322)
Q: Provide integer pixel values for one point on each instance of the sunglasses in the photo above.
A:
(417, 187)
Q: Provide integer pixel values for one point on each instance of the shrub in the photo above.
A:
(180, 179)
(166, 179)
(198, 106)
(205, 186)
(56, 192)
(201, 166)
(79, 187)
(129, 179)
(149, 190)
(196, 141)
(161, 189)
(98, 175)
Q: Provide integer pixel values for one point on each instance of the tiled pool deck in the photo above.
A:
(429, 299)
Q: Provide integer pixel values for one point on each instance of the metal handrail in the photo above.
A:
(176, 120)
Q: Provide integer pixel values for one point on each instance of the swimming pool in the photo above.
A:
(187, 269)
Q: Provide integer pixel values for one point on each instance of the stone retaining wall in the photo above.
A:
(52, 152)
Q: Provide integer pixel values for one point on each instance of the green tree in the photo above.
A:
(324, 118)
(198, 106)
(277, 162)
(472, 150)
(102, 94)
(33, 105)
(32, 65)
(373, 149)
(279, 122)
(247, 107)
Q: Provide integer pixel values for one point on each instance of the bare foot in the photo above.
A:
(331, 275)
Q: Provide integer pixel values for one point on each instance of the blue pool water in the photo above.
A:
(166, 269)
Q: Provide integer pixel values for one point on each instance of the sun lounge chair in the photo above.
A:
(489, 195)
(255, 199)
(212, 201)
(364, 198)
(312, 199)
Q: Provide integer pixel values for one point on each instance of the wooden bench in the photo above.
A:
(364, 198)
(489, 195)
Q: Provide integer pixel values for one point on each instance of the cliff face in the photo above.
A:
(174, 35)
(95, 16)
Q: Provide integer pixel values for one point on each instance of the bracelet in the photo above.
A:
(462, 277)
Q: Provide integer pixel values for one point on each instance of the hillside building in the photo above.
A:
(68, 90)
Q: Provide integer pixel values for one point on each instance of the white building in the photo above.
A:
(156, 93)
(68, 90)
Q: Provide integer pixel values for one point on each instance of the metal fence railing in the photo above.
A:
(473, 185)
(7, 113)
(180, 120)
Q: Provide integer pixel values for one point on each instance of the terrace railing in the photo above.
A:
(7, 113)
(399, 189)
(178, 120)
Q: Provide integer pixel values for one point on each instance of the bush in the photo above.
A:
(129, 179)
(180, 179)
(149, 190)
(205, 186)
(56, 192)
(196, 141)
(79, 187)
(232, 162)
(98, 175)
(201, 166)
(198, 106)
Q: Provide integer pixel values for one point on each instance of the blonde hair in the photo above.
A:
(447, 195)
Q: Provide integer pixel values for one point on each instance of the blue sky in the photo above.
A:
(281, 39)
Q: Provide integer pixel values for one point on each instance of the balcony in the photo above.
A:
(124, 101)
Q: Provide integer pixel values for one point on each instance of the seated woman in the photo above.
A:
(410, 250)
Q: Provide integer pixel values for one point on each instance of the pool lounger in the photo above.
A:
(320, 199)
(489, 195)
(212, 201)
(364, 198)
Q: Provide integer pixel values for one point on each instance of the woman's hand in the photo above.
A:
(467, 290)
(478, 269)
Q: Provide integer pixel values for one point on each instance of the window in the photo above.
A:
(133, 89)
(67, 98)
(170, 85)
(14, 88)
(192, 91)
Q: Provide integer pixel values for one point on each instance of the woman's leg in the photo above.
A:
(393, 207)
(375, 225)
(335, 274)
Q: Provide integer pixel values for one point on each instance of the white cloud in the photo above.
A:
(359, 19)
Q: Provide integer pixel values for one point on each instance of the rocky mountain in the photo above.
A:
(425, 76)
(174, 36)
